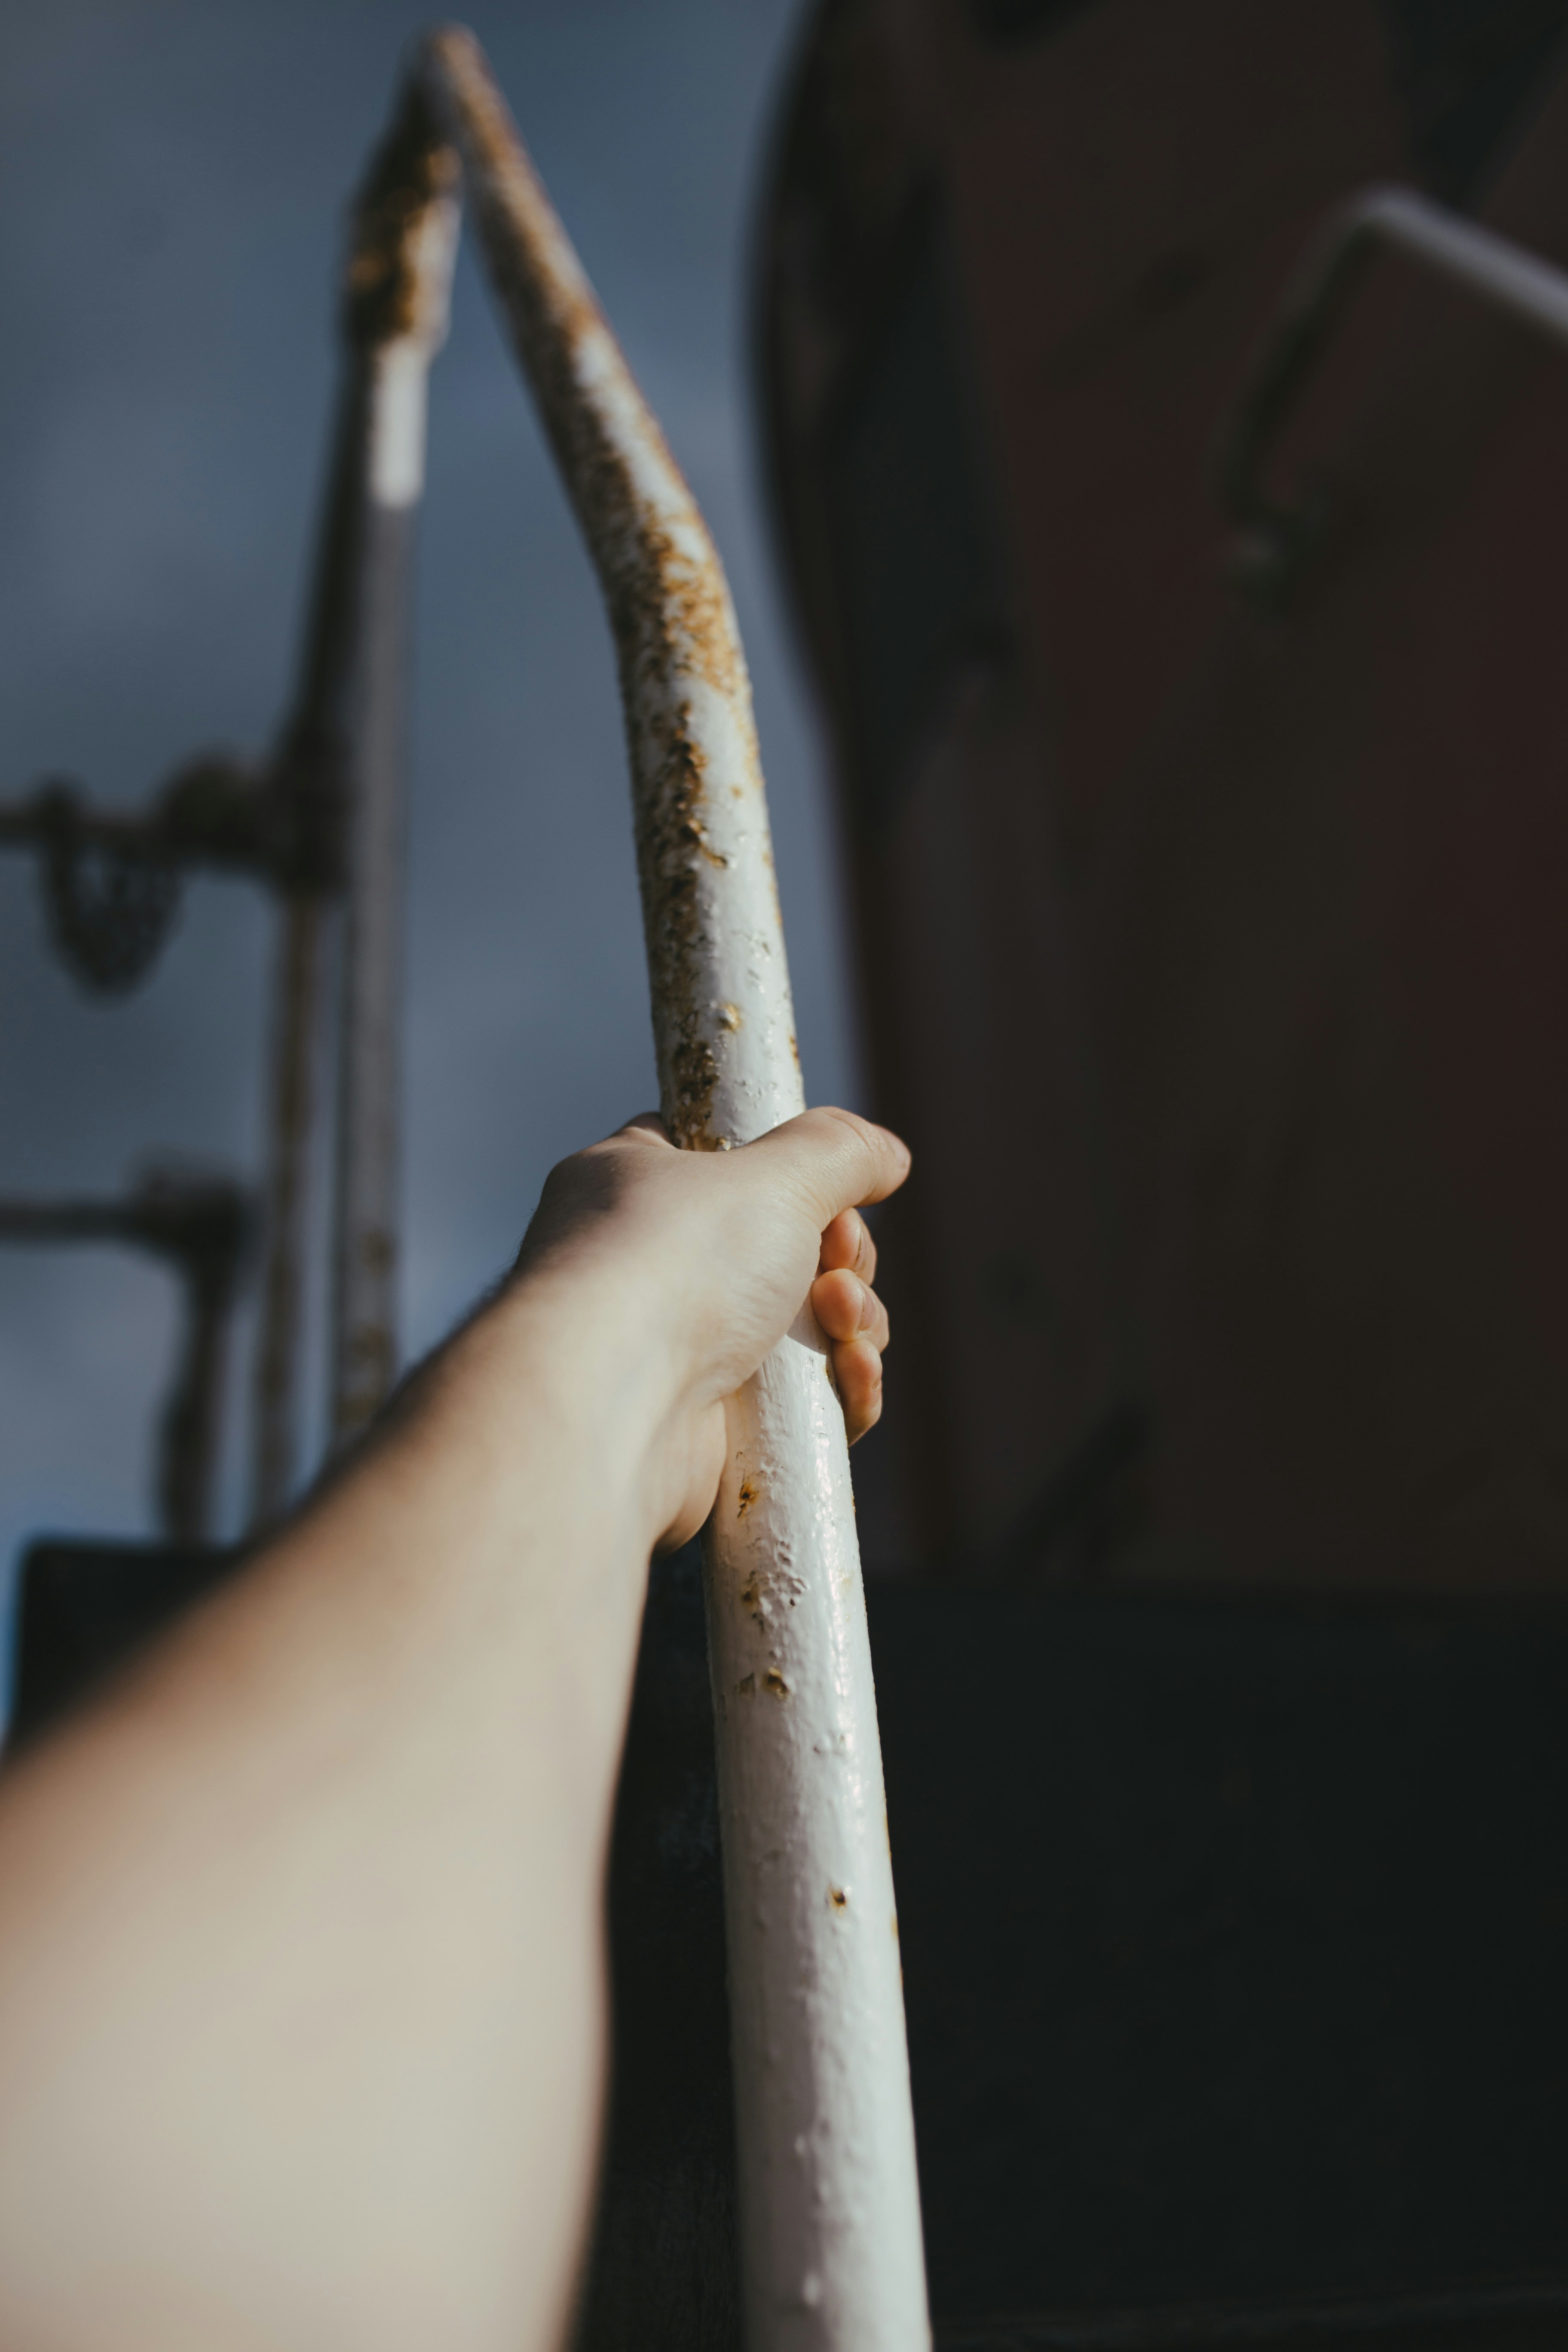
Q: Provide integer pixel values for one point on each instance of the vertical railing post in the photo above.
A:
(200, 1226)
(296, 1027)
(399, 281)
(338, 788)
(831, 2248)
(310, 786)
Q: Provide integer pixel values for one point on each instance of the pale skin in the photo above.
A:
(301, 2001)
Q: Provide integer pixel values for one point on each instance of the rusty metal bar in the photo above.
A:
(296, 1032)
(1274, 541)
(201, 1227)
(405, 228)
(831, 2248)
(313, 768)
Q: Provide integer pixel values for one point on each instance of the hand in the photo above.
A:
(700, 1261)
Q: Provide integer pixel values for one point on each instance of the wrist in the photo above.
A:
(576, 1370)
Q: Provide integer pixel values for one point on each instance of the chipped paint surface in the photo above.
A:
(403, 235)
(831, 2249)
(822, 2086)
(719, 978)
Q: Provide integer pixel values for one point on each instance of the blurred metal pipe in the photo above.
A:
(1274, 541)
(312, 768)
(831, 2249)
(200, 1226)
(212, 812)
(296, 1040)
(404, 237)
(313, 771)
(112, 877)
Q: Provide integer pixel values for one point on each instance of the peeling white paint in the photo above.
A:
(832, 2258)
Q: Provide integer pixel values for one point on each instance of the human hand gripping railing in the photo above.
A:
(831, 2248)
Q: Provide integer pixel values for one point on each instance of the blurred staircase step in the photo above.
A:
(84, 1605)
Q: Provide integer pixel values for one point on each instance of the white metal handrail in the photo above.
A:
(406, 221)
(831, 2249)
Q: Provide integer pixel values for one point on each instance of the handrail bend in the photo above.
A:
(1275, 539)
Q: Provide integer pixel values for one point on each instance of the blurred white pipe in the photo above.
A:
(399, 281)
(291, 1119)
(831, 2250)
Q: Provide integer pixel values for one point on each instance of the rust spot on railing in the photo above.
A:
(413, 168)
(670, 843)
(668, 604)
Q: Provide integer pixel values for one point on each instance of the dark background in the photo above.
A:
(174, 179)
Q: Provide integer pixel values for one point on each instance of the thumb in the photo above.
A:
(834, 1159)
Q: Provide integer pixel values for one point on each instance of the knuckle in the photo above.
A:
(860, 1129)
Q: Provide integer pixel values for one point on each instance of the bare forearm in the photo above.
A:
(300, 2011)
(371, 1785)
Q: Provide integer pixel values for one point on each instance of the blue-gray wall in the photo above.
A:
(174, 179)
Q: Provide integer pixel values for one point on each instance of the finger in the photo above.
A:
(857, 1374)
(838, 1160)
(847, 1309)
(848, 1242)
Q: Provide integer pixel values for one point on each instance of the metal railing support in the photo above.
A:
(400, 271)
(292, 1086)
(313, 770)
(1275, 541)
(112, 877)
(316, 771)
(831, 2249)
(200, 1226)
